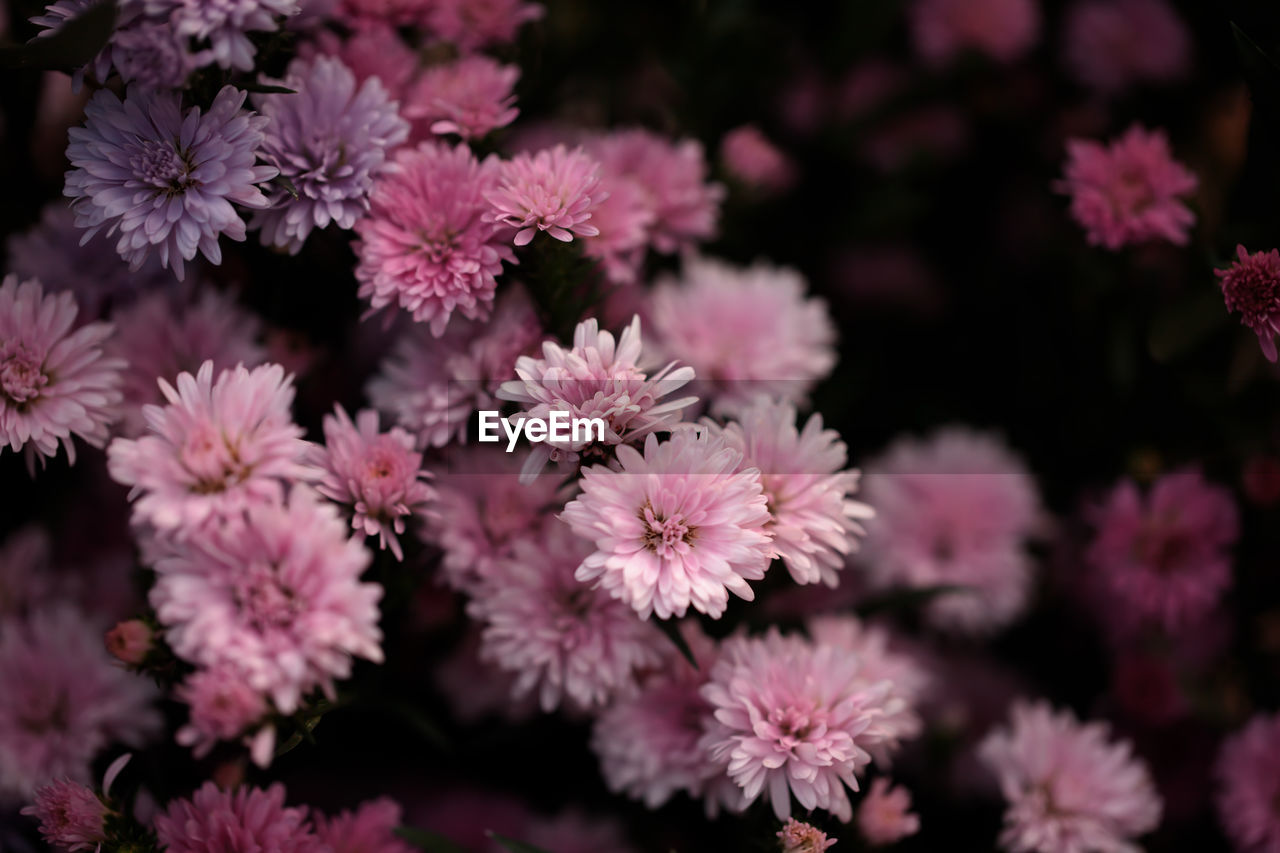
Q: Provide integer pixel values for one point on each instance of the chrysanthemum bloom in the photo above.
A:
(377, 474)
(165, 180)
(1128, 191)
(624, 220)
(224, 26)
(162, 335)
(71, 816)
(799, 837)
(1068, 785)
(1113, 45)
(222, 708)
(25, 577)
(884, 815)
(792, 717)
(814, 520)
(367, 14)
(64, 701)
(751, 158)
(144, 49)
(1248, 786)
(426, 244)
(473, 24)
(330, 139)
(746, 331)
(554, 191)
(275, 594)
(217, 448)
(471, 97)
(572, 641)
(1003, 30)
(596, 378)
(369, 829)
(432, 386)
(215, 821)
(373, 50)
(56, 382)
(954, 509)
(1251, 285)
(1162, 558)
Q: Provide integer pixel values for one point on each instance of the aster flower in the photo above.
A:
(746, 331)
(224, 26)
(884, 815)
(554, 190)
(217, 448)
(377, 474)
(222, 708)
(368, 829)
(330, 139)
(473, 24)
(1162, 559)
(53, 669)
(426, 244)
(275, 594)
(624, 220)
(373, 50)
(71, 816)
(751, 158)
(165, 180)
(799, 837)
(471, 97)
(1068, 785)
(55, 381)
(1004, 30)
(1128, 191)
(813, 519)
(1251, 285)
(365, 14)
(1248, 786)
(1113, 45)
(214, 821)
(144, 49)
(954, 509)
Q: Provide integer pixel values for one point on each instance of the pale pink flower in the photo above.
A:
(954, 509)
(71, 816)
(378, 475)
(223, 707)
(1128, 191)
(473, 24)
(1113, 45)
(676, 526)
(799, 837)
(792, 717)
(1003, 30)
(1069, 787)
(368, 829)
(1251, 285)
(751, 158)
(217, 448)
(56, 383)
(470, 96)
(884, 815)
(745, 331)
(246, 819)
(554, 190)
(275, 594)
(814, 520)
(624, 220)
(1248, 786)
(426, 244)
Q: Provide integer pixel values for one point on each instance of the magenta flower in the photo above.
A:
(1112, 45)
(378, 475)
(799, 837)
(471, 97)
(368, 829)
(1003, 30)
(223, 707)
(1251, 285)
(162, 179)
(676, 526)
(245, 819)
(554, 190)
(884, 815)
(55, 381)
(1248, 787)
(1068, 785)
(755, 161)
(624, 220)
(1128, 191)
(71, 816)
(473, 24)
(426, 244)
(373, 50)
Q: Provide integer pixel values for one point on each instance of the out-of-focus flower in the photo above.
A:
(56, 382)
(1251, 285)
(473, 24)
(1146, 687)
(164, 179)
(554, 190)
(71, 816)
(1128, 191)
(145, 49)
(214, 821)
(575, 831)
(369, 829)
(928, 134)
(426, 244)
(366, 14)
(470, 97)
(799, 837)
(625, 218)
(330, 140)
(1248, 786)
(1112, 45)
(884, 815)
(745, 331)
(224, 26)
(953, 510)
(222, 708)
(1003, 30)
(751, 158)
(372, 51)
(25, 579)
(129, 641)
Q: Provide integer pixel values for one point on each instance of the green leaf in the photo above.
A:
(905, 599)
(425, 839)
(72, 46)
(286, 184)
(513, 845)
(303, 732)
(672, 630)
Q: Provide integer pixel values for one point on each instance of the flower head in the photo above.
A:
(215, 821)
(225, 25)
(884, 815)
(470, 97)
(222, 707)
(755, 161)
(1004, 30)
(554, 190)
(472, 24)
(1113, 45)
(799, 837)
(71, 816)
(1251, 285)
(369, 829)
(145, 48)
(1248, 787)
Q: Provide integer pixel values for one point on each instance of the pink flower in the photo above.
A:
(792, 717)
(678, 525)
(130, 641)
(55, 382)
(472, 24)
(745, 331)
(1113, 45)
(1248, 786)
(275, 594)
(470, 97)
(53, 669)
(1162, 559)
(223, 707)
(216, 449)
(624, 219)
(246, 819)
(1004, 30)
(1068, 786)
(426, 244)
(369, 829)
(554, 191)
(373, 50)
(799, 837)
(750, 157)
(1128, 191)
(71, 816)
(572, 641)
(814, 520)
(884, 816)
(378, 475)
(953, 510)
(365, 14)
(597, 378)
(25, 577)
(1251, 285)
